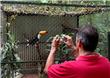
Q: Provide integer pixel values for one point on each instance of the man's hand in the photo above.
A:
(55, 43)
(68, 41)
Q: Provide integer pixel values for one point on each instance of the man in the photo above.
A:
(88, 63)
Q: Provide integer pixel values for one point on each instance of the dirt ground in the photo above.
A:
(30, 76)
(33, 76)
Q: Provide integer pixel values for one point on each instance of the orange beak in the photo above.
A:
(42, 33)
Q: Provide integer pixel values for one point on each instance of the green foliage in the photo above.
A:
(9, 55)
(102, 22)
(63, 53)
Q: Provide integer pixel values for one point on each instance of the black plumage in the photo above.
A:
(34, 40)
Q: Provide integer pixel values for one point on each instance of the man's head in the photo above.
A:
(87, 38)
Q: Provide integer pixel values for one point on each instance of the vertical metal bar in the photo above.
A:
(0, 35)
(109, 45)
(12, 73)
(77, 21)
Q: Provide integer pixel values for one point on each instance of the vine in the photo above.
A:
(9, 54)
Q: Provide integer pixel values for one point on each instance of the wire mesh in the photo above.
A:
(25, 27)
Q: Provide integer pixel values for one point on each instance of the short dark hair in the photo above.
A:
(89, 37)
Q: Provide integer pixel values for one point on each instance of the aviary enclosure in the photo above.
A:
(22, 20)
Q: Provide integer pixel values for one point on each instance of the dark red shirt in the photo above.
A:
(90, 66)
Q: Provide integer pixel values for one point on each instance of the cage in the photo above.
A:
(30, 19)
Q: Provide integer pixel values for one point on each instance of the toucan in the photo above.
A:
(36, 38)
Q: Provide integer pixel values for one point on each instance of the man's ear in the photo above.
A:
(79, 44)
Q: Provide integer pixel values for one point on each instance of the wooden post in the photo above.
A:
(2, 30)
(0, 37)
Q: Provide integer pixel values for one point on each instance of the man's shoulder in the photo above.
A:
(69, 64)
(104, 59)
(66, 66)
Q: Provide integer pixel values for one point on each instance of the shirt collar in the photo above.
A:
(88, 57)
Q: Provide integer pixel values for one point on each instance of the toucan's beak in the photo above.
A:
(42, 33)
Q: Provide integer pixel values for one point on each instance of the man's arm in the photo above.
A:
(50, 59)
(54, 46)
